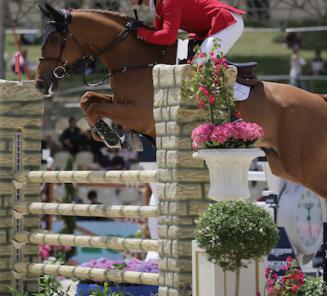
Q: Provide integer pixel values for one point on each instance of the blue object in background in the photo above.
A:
(130, 290)
(277, 257)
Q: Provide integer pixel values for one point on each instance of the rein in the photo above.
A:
(64, 70)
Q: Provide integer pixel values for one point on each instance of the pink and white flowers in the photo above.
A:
(209, 88)
(289, 284)
(238, 134)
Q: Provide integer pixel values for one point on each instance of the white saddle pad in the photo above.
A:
(241, 92)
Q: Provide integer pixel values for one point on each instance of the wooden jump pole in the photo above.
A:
(40, 208)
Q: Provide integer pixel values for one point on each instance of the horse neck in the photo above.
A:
(100, 28)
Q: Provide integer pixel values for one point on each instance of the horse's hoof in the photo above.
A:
(110, 135)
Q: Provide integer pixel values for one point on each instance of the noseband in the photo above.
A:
(64, 70)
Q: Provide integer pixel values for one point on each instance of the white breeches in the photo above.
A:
(228, 36)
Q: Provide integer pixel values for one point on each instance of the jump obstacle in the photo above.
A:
(183, 184)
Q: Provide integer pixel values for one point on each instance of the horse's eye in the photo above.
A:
(54, 39)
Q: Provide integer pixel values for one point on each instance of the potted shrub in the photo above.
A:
(226, 141)
(233, 233)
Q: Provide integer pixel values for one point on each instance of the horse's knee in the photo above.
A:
(87, 100)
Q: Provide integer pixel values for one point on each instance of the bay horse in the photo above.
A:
(293, 120)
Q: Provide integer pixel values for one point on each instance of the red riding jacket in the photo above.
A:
(201, 18)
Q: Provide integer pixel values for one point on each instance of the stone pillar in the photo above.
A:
(21, 109)
(183, 180)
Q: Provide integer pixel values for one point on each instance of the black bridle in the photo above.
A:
(64, 69)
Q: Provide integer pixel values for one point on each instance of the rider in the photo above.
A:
(203, 19)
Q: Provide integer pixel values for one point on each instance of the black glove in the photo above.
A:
(132, 26)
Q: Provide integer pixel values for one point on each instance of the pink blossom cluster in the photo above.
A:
(211, 135)
(289, 283)
(45, 251)
(201, 134)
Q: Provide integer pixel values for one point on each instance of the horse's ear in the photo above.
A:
(44, 11)
(57, 15)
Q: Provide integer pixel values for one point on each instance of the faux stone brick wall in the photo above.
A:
(183, 180)
(21, 109)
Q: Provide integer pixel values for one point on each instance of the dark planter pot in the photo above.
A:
(130, 290)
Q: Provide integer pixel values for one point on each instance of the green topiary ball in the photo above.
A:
(232, 232)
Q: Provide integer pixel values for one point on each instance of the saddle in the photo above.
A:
(246, 73)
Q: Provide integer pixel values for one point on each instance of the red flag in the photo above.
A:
(17, 65)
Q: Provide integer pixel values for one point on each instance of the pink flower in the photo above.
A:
(202, 55)
(294, 288)
(204, 90)
(238, 115)
(212, 99)
(222, 133)
(201, 134)
(270, 291)
(247, 131)
(202, 104)
(44, 251)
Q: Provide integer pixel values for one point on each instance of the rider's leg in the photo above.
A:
(228, 36)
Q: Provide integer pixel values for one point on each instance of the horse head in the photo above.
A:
(57, 50)
(70, 41)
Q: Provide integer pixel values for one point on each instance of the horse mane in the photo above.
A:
(117, 16)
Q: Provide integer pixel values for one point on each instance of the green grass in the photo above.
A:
(273, 58)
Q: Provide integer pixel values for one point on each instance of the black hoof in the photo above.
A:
(112, 135)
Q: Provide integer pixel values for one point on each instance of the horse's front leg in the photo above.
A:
(129, 114)
(87, 101)
(91, 97)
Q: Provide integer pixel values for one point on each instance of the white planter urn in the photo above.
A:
(228, 170)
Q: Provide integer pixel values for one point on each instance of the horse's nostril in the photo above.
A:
(39, 84)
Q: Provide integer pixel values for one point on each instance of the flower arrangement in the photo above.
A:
(208, 85)
(238, 134)
(287, 285)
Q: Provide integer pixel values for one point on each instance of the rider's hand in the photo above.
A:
(132, 26)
